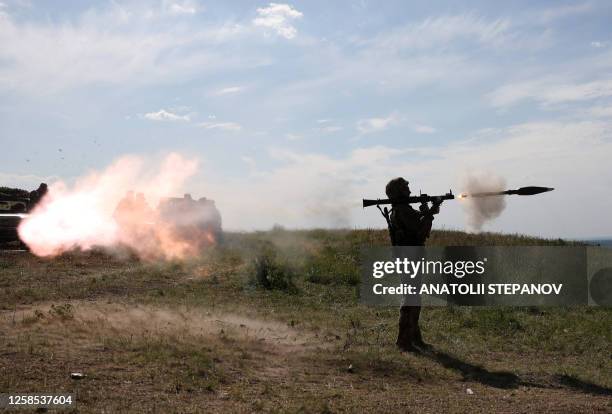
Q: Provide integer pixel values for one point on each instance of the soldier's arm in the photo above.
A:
(412, 222)
(415, 222)
(425, 224)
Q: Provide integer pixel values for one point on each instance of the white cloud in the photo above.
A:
(562, 11)
(549, 92)
(370, 125)
(598, 45)
(424, 129)
(114, 45)
(600, 111)
(181, 7)
(231, 90)
(278, 17)
(163, 115)
(224, 126)
(442, 31)
(157, 10)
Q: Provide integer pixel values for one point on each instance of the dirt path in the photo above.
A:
(93, 319)
(143, 358)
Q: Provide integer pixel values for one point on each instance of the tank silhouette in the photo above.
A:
(15, 204)
(181, 224)
(197, 221)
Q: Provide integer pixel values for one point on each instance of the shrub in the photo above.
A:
(63, 312)
(272, 273)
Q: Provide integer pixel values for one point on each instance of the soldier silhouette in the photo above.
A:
(408, 227)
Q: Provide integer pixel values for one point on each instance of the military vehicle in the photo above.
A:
(15, 204)
(8, 226)
(196, 221)
(194, 224)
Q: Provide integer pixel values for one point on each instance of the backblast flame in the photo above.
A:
(89, 213)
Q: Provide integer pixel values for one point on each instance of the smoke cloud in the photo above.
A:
(86, 214)
(482, 209)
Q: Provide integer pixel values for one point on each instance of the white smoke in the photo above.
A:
(479, 210)
(82, 215)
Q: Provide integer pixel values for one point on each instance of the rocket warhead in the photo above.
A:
(523, 191)
(530, 190)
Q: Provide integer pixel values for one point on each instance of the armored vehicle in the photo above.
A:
(15, 204)
(196, 221)
(178, 226)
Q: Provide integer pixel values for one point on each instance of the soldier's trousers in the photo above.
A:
(409, 332)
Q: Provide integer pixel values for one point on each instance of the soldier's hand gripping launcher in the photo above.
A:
(424, 198)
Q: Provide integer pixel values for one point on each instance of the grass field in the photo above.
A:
(270, 321)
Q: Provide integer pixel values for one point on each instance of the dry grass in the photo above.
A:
(201, 336)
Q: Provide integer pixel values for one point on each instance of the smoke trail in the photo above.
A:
(84, 215)
(481, 210)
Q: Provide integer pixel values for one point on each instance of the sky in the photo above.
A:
(298, 110)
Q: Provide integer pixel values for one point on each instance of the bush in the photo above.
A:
(271, 273)
(63, 312)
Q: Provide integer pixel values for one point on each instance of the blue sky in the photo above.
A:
(297, 110)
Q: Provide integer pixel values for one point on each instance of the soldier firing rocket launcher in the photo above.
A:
(424, 198)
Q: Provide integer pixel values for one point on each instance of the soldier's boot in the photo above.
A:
(418, 341)
(406, 332)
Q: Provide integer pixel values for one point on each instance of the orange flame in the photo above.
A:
(82, 217)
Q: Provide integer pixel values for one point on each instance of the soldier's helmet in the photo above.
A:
(397, 188)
